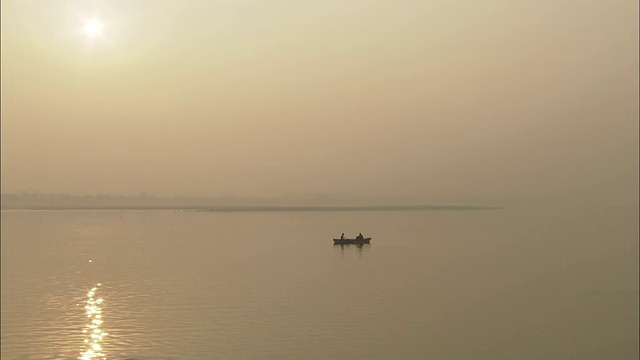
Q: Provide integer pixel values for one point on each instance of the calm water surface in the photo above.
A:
(489, 284)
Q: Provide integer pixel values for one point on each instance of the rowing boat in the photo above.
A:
(351, 241)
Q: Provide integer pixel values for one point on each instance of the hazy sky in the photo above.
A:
(410, 99)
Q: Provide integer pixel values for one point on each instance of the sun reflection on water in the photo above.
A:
(93, 332)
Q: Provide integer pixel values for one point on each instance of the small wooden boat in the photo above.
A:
(351, 241)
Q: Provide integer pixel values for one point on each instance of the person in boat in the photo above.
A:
(342, 236)
(360, 236)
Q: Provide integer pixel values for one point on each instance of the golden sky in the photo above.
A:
(400, 99)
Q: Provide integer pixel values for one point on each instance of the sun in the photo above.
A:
(92, 28)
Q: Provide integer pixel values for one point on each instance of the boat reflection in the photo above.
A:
(360, 247)
(93, 330)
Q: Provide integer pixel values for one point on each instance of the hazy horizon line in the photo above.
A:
(254, 208)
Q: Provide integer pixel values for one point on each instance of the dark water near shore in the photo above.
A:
(475, 284)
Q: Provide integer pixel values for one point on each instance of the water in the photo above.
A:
(483, 284)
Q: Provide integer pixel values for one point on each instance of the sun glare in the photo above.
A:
(92, 28)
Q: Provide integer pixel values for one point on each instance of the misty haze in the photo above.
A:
(286, 179)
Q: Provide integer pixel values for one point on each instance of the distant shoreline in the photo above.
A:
(351, 208)
(258, 208)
